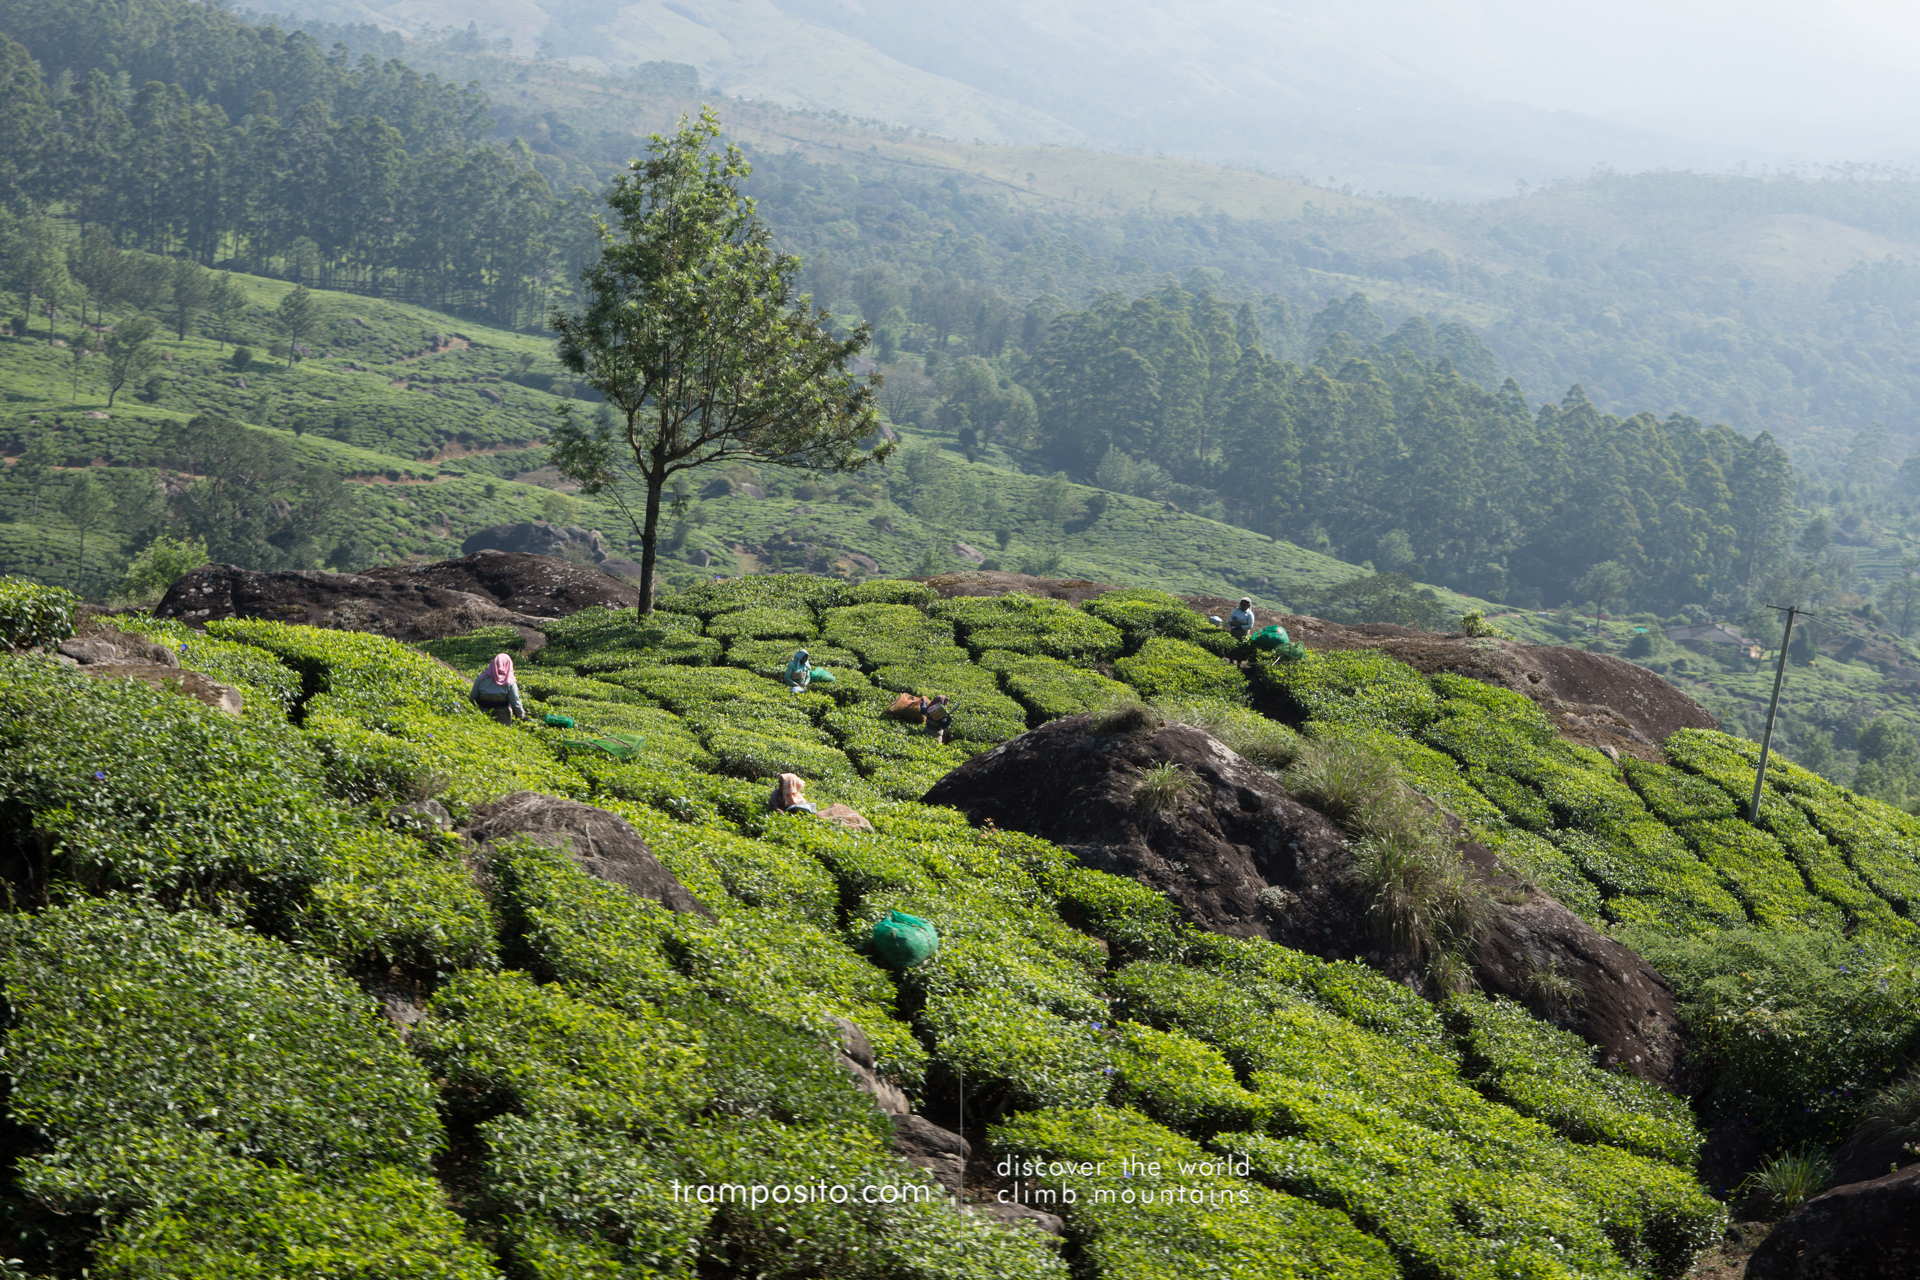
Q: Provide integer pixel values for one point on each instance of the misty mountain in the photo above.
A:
(1228, 81)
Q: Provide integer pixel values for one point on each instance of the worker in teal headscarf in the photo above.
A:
(799, 672)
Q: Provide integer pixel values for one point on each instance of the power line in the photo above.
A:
(1766, 742)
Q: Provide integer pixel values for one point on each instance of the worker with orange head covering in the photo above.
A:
(495, 692)
(787, 797)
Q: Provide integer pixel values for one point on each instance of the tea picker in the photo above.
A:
(801, 675)
(495, 692)
(1240, 621)
(787, 795)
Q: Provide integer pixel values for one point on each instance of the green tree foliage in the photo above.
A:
(128, 354)
(254, 505)
(190, 291)
(694, 334)
(36, 267)
(87, 504)
(296, 317)
(254, 142)
(1483, 494)
(162, 563)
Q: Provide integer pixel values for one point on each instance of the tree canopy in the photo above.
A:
(694, 333)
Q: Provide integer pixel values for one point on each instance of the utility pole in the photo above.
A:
(1766, 742)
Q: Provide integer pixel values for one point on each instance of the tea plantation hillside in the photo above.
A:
(212, 908)
(437, 425)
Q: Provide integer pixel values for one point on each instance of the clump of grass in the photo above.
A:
(1265, 742)
(1894, 1111)
(1425, 902)
(1550, 988)
(1164, 786)
(1357, 788)
(1127, 716)
(1784, 1181)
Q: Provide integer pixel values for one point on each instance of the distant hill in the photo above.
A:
(1231, 83)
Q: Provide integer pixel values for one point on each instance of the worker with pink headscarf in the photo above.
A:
(495, 693)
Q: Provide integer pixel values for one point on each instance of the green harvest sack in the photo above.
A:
(1274, 642)
(820, 675)
(559, 722)
(904, 941)
(621, 746)
(1269, 639)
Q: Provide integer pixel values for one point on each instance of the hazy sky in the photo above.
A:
(1829, 79)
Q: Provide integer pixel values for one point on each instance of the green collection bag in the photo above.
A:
(559, 722)
(619, 745)
(1276, 644)
(820, 675)
(904, 941)
(1269, 639)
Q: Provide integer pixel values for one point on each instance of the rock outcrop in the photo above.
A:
(568, 542)
(110, 654)
(1240, 856)
(606, 846)
(1859, 1231)
(541, 586)
(406, 602)
(1592, 698)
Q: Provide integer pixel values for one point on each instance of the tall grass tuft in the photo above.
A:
(1265, 742)
(1894, 1111)
(1353, 786)
(1786, 1180)
(1425, 903)
(1127, 716)
(1164, 786)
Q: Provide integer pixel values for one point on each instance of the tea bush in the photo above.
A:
(1175, 669)
(231, 1218)
(505, 1043)
(1798, 1027)
(627, 1045)
(602, 639)
(762, 623)
(381, 900)
(33, 616)
(771, 591)
(1049, 688)
(1155, 1227)
(268, 687)
(129, 1018)
(1143, 614)
(1549, 1074)
(363, 673)
(121, 786)
(1031, 625)
(890, 634)
(469, 653)
(1357, 687)
(981, 713)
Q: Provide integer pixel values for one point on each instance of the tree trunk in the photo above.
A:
(650, 531)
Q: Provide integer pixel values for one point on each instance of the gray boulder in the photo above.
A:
(1860, 1231)
(605, 845)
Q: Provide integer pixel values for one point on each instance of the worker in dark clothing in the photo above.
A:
(495, 692)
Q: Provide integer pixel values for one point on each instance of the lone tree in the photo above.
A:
(693, 332)
(296, 317)
(128, 355)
